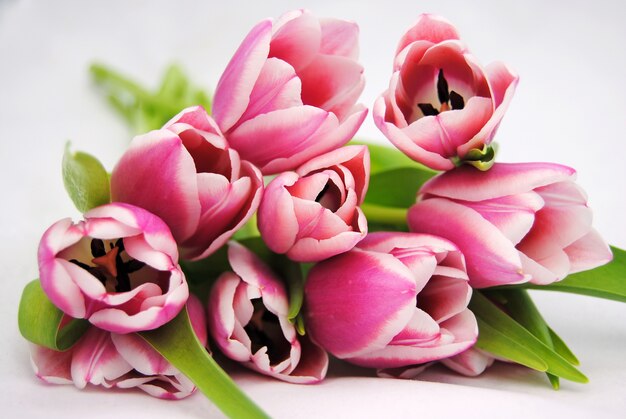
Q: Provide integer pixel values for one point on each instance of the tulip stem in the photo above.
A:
(385, 215)
(177, 343)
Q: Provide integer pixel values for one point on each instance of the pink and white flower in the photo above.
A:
(188, 175)
(313, 213)
(515, 223)
(111, 360)
(289, 93)
(396, 300)
(118, 268)
(441, 103)
(248, 321)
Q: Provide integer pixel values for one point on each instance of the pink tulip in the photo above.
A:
(472, 362)
(396, 300)
(118, 269)
(313, 213)
(248, 321)
(441, 103)
(110, 360)
(289, 92)
(515, 223)
(188, 175)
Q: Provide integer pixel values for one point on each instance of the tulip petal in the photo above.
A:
(296, 39)
(340, 38)
(588, 252)
(51, 366)
(491, 258)
(353, 295)
(428, 27)
(471, 362)
(232, 94)
(277, 88)
(171, 192)
(503, 179)
(277, 209)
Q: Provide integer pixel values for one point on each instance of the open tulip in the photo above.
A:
(248, 321)
(396, 300)
(111, 360)
(313, 213)
(289, 92)
(118, 268)
(515, 223)
(441, 103)
(186, 174)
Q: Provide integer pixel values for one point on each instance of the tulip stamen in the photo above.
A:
(449, 99)
(111, 265)
(264, 330)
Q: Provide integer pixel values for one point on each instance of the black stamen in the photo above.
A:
(456, 100)
(123, 282)
(322, 192)
(427, 109)
(133, 265)
(97, 248)
(442, 88)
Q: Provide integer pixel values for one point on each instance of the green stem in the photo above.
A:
(385, 215)
(177, 343)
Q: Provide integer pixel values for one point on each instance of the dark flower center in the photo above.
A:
(264, 331)
(111, 267)
(448, 99)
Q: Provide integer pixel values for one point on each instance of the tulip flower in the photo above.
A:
(248, 321)
(188, 175)
(288, 94)
(396, 300)
(441, 104)
(313, 213)
(515, 223)
(112, 360)
(118, 268)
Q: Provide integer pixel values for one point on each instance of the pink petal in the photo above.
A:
(96, 361)
(158, 174)
(277, 209)
(296, 39)
(491, 258)
(232, 93)
(332, 83)
(51, 366)
(277, 134)
(339, 37)
(342, 320)
(468, 184)
(428, 27)
(141, 356)
(588, 252)
(471, 362)
(277, 88)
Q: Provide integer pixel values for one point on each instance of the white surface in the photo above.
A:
(569, 108)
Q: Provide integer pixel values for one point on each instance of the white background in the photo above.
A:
(570, 108)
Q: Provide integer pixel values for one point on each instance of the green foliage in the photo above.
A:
(145, 110)
(177, 342)
(86, 180)
(42, 323)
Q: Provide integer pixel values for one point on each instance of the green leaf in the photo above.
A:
(522, 309)
(493, 341)
(42, 323)
(177, 343)
(490, 315)
(396, 187)
(608, 281)
(85, 179)
(561, 348)
(383, 158)
(381, 218)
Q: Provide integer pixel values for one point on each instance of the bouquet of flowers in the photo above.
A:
(253, 224)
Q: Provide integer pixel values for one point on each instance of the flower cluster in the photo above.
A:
(290, 268)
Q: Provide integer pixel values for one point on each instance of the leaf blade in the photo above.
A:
(85, 179)
(42, 323)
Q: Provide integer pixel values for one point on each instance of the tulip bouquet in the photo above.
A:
(249, 223)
